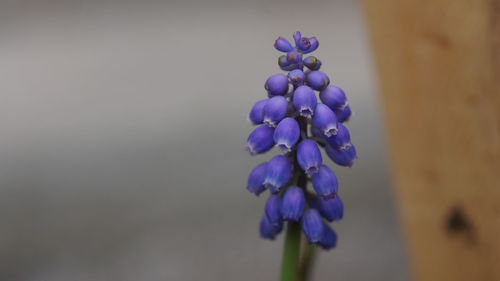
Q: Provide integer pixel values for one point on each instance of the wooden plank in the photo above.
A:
(439, 63)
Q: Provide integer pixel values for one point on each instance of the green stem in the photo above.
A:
(306, 263)
(291, 253)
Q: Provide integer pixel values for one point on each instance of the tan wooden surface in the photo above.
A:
(438, 65)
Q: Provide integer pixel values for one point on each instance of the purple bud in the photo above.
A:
(274, 110)
(268, 230)
(314, 44)
(291, 67)
(334, 97)
(331, 209)
(304, 101)
(294, 57)
(279, 171)
(329, 238)
(312, 63)
(309, 156)
(312, 225)
(325, 182)
(297, 77)
(304, 44)
(260, 140)
(277, 85)
(342, 157)
(273, 209)
(296, 37)
(342, 140)
(343, 114)
(286, 134)
(255, 182)
(324, 119)
(282, 45)
(293, 204)
(256, 115)
(283, 61)
(317, 80)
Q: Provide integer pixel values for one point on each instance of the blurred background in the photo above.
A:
(123, 126)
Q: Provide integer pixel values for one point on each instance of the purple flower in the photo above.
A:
(294, 57)
(277, 85)
(331, 209)
(304, 101)
(255, 181)
(342, 157)
(325, 182)
(334, 97)
(273, 209)
(282, 45)
(296, 37)
(309, 157)
(279, 170)
(314, 44)
(329, 239)
(293, 204)
(260, 140)
(283, 61)
(312, 225)
(287, 134)
(317, 80)
(274, 110)
(324, 119)
(297, 77)
(342, 140)
(256, 115)
(343, 114)
(303, 44)
(268, 230)
(312, 63)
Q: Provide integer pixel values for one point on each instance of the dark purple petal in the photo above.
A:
(293, 204)
(309, 156)
(342, 157)
(279, 171)
(331, 209)
(277, 85)
(256, 115)
(282, 45)
(325, 120)
(334, 97)
(342, 140)
(314, 44)
(312, 225)
(273, 209)
(260, 140)
(329, 238)
(312, 63)
(275, 110)
(343, 114)
(325, 182)
(268, 230)
(297, 77)
(286, 134)
(304, 101)
(317, 80)
(255, 181)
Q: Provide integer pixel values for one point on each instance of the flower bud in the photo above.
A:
(312, 225)
(304, 44)
(268, 230)
(342, 157)
(334, 97)
(283, 61)
(309, 156)
(293, 204)
(277, 85)
(331, 209)
(274, 110)
(343, 114)
(329, 238)
(255, 181)
(312, 63)
(317, 80)
(273, 209)
(291, 67)
(260, 140)
(256, 115)
(324, 119)
(314, 44)
(286, 134)
(297, 77)
(325, 182)
(342, 140)
(304, 101)
(278, 173)
(294, 57)
(282, 45)
(296, 37)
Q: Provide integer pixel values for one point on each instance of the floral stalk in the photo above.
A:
(291, 113)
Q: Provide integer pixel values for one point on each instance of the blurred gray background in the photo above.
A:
(122, 127)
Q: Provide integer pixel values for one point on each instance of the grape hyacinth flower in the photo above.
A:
(288, 116)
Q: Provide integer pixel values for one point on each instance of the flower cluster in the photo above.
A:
(293, 120)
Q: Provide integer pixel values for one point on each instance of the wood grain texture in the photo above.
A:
(438, 64)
